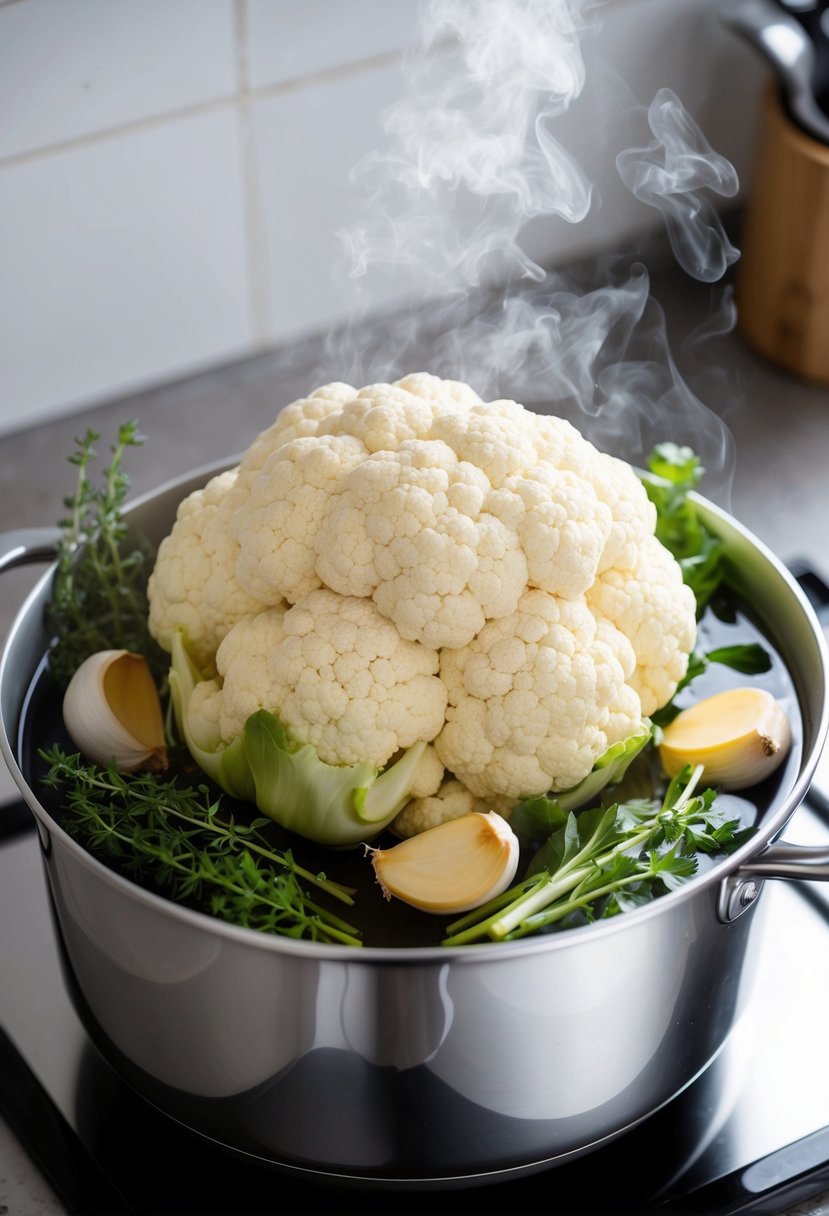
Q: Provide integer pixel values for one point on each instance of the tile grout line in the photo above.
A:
(196, 108)
(258, 295)
(127, 128)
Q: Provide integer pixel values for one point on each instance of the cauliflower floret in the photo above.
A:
(382, 416)
(447, 394)
(494, 436)
(560, 523)
(632, 512)
(337, 675)
(428, 775)
(295, 421)
(560, 444)
(657, 611)
(409, 529)
(452, 800)
(243, 661)
(536, 698)
(278, 522)
(204, 711)
(193, 585)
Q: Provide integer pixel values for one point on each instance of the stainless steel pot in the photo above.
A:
(426, 1065)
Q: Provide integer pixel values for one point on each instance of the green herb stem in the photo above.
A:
(323, 924)
(493, 905)
(547, 890)
(170, 836)
(531, 924)
(98, 599)
(229, 832)
(584, 867)
(144, 791)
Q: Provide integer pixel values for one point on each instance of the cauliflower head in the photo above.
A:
(406, 563)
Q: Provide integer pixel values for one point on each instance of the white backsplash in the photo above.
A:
(173, 175)
(127, 263)
(71, 70)
(291, 40)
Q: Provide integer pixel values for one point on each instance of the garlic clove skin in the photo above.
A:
(112, 712)
(740, 736)
(453, 867)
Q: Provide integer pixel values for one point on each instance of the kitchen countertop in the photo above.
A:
(780, 427)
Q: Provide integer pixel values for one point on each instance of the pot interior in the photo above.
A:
(779, 616)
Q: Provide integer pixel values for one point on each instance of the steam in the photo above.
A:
(672, 174)
(472, 153)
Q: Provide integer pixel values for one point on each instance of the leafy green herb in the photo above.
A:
(162, 834)
(534, 818)
(750, 658)
(98, 598)
(674, 472)
(605, 860)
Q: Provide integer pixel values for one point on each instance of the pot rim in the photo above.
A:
(773, 822)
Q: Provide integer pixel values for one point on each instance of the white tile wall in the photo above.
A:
(70, 68)
(290, 41)
(173, 175)
(307, 143)
(121, 261)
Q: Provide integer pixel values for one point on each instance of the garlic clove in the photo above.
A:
(740, 736)
(112, 712)
(450, 868)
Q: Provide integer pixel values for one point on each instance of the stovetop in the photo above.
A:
(751, 1135)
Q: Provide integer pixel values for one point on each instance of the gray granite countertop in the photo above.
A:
(780, 427)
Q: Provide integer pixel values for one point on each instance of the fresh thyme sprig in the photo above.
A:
(604, 861)
(160, 833)
(98, 599)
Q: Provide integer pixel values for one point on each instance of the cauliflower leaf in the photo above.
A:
(332, 804)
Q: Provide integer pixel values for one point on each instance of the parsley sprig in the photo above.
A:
(606, 860)
(674, 472)
(175, 837)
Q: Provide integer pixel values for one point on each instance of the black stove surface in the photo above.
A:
(751, 1135)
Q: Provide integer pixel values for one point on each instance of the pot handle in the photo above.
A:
(806, 863)
(28, 545)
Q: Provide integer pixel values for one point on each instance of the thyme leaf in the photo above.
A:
(162, 834)
(98, 597)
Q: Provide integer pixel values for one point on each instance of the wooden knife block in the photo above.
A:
(783, 276)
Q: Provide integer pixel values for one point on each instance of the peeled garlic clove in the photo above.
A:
(450, 868)
(112, 711)
(740, 737)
